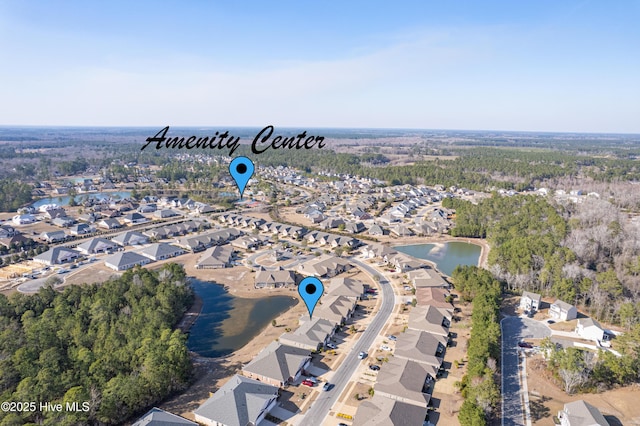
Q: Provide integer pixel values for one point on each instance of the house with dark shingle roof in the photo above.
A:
(125, 260)
(240, 402)
(383, 411)
(158, 417)
(278, 364)
(56, 256)
(406, 381)
(161, 251)
(97, 245)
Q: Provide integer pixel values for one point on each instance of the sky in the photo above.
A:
(559, 66)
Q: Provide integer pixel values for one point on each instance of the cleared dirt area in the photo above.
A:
(619, 406)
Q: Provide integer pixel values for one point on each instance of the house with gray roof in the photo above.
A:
(158, 417)
(125, 260)
(563, 311)
(422, 277)
(347, 287)
(430, 319)
(337, 309)
(581, 413)
(530, 301)
(53, 236)
(57, 256)
(215, 258)
(278, 364)
(324, 266)
(81, 229)
(109, 224)
(420, 346)
(161, 251)
(383, 411)
(279, 278)
(130, 238)
(311, 335)
(240, 402)
(405, 381)
(97, 245)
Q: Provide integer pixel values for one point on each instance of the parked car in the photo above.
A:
(307, 382)
(385, 348)
(362, 355)
(551, 321)
(392, 337)
(526, 345)
(312, 380)
(374, 367)
(331, 345)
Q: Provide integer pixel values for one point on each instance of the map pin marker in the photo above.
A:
(310, 289)
(241, 169)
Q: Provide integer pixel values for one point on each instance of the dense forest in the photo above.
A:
(479, 386)
(112, 346)
(14, 194)
(586, 254)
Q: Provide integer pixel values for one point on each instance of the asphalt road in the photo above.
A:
(320, 408)
(515, 329)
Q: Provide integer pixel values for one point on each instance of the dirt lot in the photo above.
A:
(619, 406)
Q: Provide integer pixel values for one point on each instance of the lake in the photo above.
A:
(63, 200)
(446, 256)
(227, 323)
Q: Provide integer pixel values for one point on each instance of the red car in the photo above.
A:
(307, 383)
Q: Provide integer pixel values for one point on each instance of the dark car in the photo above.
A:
(551, 322)
(374, 367)
(327, 387)
(526, 345)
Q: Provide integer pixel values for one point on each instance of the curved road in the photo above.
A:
(320, 408)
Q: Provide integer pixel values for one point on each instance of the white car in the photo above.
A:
(385, 348)
(331, 345)
(362, 355)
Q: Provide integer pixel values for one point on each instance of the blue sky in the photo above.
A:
(511, 65)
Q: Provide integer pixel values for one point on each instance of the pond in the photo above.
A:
(227, 323)
(63, 200)
(446, 256)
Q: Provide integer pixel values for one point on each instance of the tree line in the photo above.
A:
(112, 345)
(479, 386)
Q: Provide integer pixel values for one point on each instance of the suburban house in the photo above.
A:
(404, 263)
(405, 381)
(347, 287)
(430, 319)
(376, 230)
(581, 413)
(124, 260)
(278, 364)
(311, 335)
(246, 242)
(563, 311)
(56, 256)
(158, 417)
(53, 236)
(109, 224)
(337, 309)
(63, 221)
(240, 402)
(383, 411)
(433, 296)
(130, 238)
(134, 218)
(213, 238)
(377, 250)
(97, 245)
(324, 266)
(215, 258)
(590, 329)
(421, 346)
(275, 279)
(165, 213)
(81, 229)
(161, 251)
(423, 278)
(530, 301)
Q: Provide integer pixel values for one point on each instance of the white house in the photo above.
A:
(581, 413)
(590, 329)
(530, 301)
(563, 311)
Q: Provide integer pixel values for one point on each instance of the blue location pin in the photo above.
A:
(310, 289)
(241, 169)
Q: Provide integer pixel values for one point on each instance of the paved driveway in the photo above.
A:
(515, 329)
